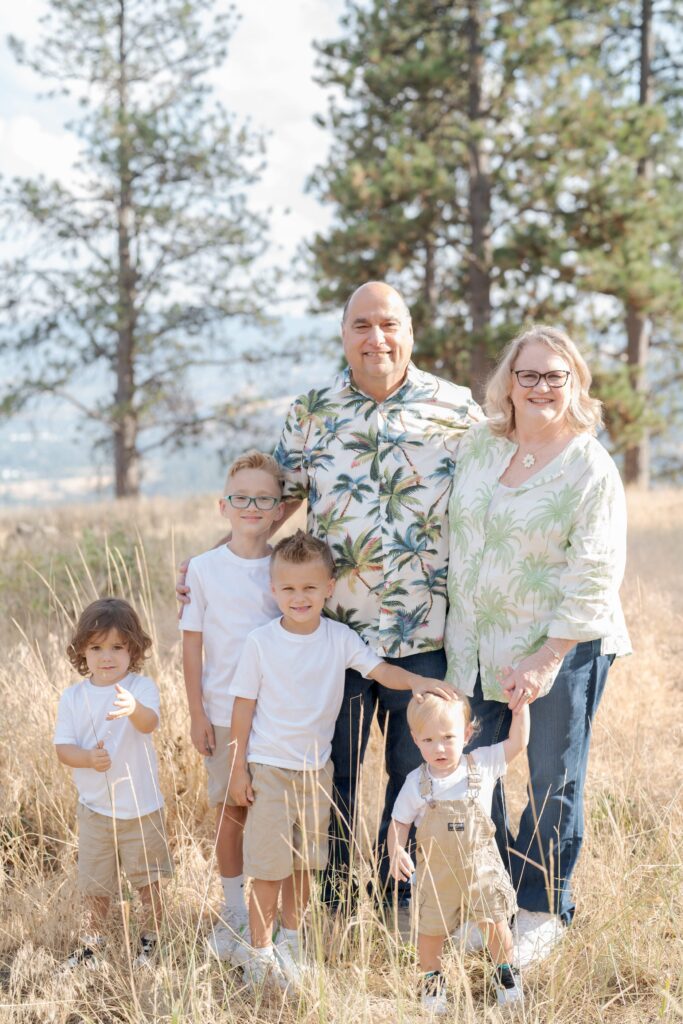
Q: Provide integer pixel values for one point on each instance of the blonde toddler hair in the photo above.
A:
(431, 707)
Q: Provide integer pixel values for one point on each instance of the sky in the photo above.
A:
(268, 78)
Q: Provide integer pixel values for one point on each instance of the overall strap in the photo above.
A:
(424, 782)
(473, 778)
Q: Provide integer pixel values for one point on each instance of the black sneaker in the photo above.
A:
(433, 995)
(147, 951)
(88, 955)
(507, 985)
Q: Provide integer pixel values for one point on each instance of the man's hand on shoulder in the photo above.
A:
(182, 591)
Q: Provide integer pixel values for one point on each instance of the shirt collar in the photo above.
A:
(413, 379)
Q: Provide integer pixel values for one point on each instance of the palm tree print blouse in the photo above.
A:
(529, 563)
(377, 477)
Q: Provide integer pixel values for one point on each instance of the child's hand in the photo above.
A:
(402, 866)
(124, 704)
(99, 758)
(423, 685)
(202, 735)
(240, 789)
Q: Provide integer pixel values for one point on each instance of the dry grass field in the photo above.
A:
(620, 964)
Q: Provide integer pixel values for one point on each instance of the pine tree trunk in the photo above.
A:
(479, 274)
(126, 455)
(637, 457)
(429, 290)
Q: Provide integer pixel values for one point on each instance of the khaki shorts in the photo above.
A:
(288, 823)
(219, 768)
(139, 845)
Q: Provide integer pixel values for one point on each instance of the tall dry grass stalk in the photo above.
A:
(621, 962)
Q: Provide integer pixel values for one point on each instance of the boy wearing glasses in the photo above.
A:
(231, 596)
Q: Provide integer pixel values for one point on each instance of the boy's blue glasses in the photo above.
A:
(263, 502)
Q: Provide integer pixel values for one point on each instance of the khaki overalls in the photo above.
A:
(460, 875)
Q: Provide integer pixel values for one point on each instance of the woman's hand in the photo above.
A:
(532, 678)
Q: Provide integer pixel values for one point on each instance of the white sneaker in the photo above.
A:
(539, 933)
(468, 937)
(228, 934)
(507, 986)
(290, 957)
(434, 997)
(262, 972)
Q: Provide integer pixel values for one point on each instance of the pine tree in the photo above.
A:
(137, 267)
(496, 162)
(440, 173)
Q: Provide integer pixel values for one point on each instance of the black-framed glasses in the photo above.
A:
(530, 378)
(263, 502)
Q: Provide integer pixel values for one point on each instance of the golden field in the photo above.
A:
(621, 962)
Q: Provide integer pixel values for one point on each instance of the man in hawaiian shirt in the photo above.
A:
(373, 452)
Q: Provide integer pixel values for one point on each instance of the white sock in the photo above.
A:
(233, 893)
(290, 936)
(264, 952)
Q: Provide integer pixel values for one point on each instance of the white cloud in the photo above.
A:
(27, 148)
(268, 78)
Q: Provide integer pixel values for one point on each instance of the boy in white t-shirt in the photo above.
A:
(103, 732)
(231, 595)
(288, 689)
(459, 868)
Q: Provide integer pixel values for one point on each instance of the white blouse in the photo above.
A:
(546, 561)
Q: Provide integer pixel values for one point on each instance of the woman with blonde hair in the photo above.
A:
(537, 551)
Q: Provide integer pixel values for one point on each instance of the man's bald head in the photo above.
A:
(378, 287)
(378, 338)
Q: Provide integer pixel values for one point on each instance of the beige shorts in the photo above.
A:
(138, 844)
(288, 823)
(219, 768)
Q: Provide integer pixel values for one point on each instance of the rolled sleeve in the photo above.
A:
(289, 455)
(596, 557)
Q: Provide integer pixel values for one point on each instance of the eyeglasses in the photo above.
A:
(530, 378)
(263, 502)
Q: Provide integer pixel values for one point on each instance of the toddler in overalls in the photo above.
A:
(460, 874)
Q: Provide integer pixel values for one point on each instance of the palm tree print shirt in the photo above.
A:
(377, 476)
(545, 560)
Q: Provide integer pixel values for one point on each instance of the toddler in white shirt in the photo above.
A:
(459, 868)
(103, 732)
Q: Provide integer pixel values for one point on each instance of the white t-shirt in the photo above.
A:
(130, 788)
(410, 806)
(230, 597)
(298, 684)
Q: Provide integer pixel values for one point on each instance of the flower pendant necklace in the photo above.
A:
(529, 460)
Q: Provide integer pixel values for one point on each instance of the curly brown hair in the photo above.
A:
(96, 620)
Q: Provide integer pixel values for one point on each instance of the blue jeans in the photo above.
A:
(542, 858)
(362, 698)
